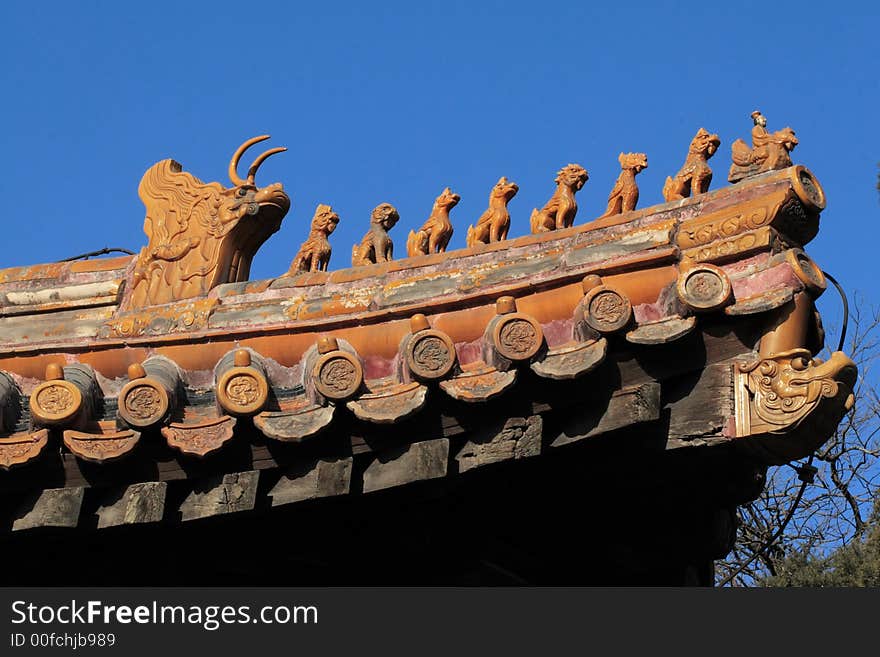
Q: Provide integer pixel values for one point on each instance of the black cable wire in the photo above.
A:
(788, 516)
(104, 251)
(804, 472)
(845, 309)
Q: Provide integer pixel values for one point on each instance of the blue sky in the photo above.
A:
(394, 101)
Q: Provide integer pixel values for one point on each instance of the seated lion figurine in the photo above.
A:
(434, 235)
(695, 175)
(625, 195)
(493, 224)
(560, 210)
(376, 246)
(314, 254)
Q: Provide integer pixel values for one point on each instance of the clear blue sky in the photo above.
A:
(394, 101)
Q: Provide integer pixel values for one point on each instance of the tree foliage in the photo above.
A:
(854, 564)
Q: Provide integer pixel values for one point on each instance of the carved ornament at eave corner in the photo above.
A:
(794, 396)
(788, 385)
(792, 210)
(787, 399)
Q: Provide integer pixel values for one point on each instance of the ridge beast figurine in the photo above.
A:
(695, 174)
(560, 210)
(435, 233)
(376, 246)
(314, 254)
(493, 224)
(201, 234)
(769, 151)
(625, 194)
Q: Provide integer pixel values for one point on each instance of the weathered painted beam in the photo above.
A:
(403, 465)
(515, 438)
(220, 495)
(138, 504)
(53, 507)
(700, 406)
(311, 480)
(626, 407)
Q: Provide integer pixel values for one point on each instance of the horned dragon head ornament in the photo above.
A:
(201, 235)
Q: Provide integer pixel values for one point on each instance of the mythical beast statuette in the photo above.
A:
(695, 175)
(435, 233)
(625, 195)
(376, 246)
(769, 151)
(560, 210)
(784, 396)
(314, 254)
(493, 224)
(787, 385)
(201, 234)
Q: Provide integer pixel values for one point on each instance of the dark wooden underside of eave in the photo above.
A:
(608, 484)
(586, 515)
(689, 372)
